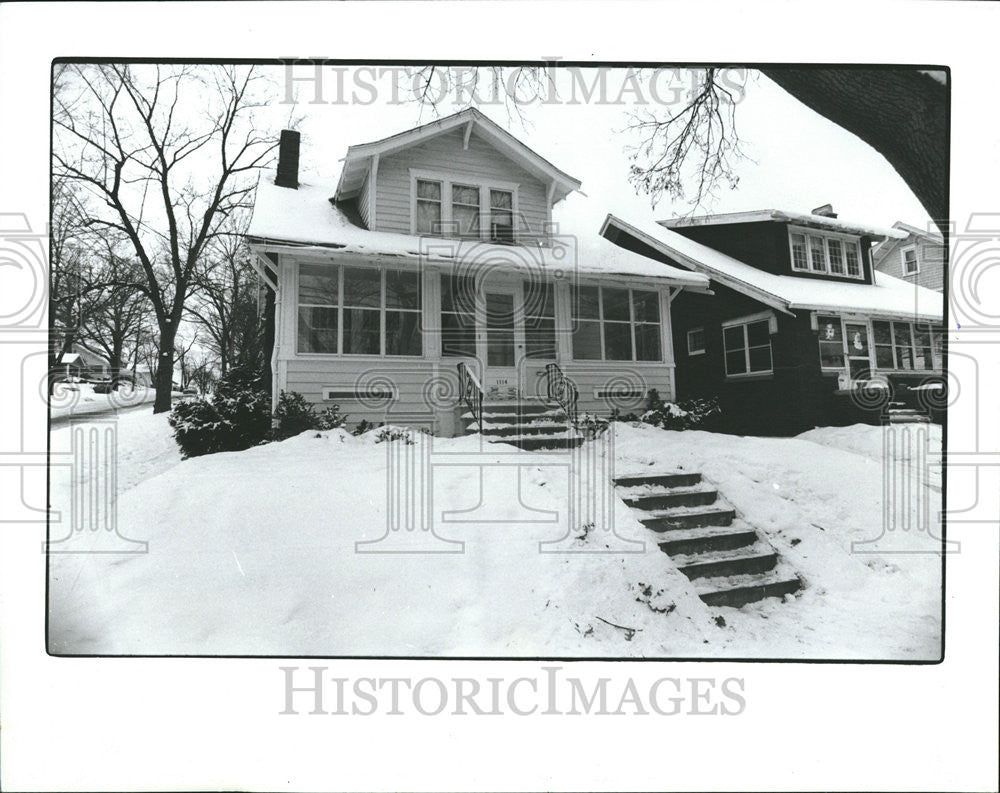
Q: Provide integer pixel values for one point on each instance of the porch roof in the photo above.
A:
(888, 296)
(306, 218)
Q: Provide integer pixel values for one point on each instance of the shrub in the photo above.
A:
(363, 426)
(294, 414)
(394, 434)
(237, 417)
(699, 413)
(590, 425)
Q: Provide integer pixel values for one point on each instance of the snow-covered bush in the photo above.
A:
(394, 434)
(237, 417)
(589, 425)
(362, 427)
(295, 414)
(690, 414)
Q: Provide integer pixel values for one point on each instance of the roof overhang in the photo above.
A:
(693, 264)
(360, 158)
(875, 233)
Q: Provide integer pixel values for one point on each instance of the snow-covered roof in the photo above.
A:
(798, 218)
(359, 157)
(888, 296)
(306, 218)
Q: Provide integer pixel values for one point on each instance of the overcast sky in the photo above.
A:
(796, 159)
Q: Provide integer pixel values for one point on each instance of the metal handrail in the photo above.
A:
(471, 392)
(561, 389)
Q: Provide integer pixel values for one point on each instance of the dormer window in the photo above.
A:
(826, 253)
(463, 207)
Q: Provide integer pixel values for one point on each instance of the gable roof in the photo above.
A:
(885, 247)
(359, 157)
(780, 215)
(307, 219)
(888, 296)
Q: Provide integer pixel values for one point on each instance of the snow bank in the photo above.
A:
(254, 552)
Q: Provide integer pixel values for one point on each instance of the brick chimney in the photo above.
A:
(288, 160)
(825, 211)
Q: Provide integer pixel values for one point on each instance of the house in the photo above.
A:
(431, 278)
(80, 362)
(799, 330)
(918, 257)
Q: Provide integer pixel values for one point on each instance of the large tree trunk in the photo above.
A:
(164, 371)
(901, 113)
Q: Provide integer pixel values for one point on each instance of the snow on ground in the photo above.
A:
(79, 399)
(254, 553)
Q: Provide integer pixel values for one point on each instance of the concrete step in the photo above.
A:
(540, 428)
(687, 518)
(672, 497)
(673, 479)
(537, 442)
(739, 563)
(916, 418)
(703, 540)
(741, 590)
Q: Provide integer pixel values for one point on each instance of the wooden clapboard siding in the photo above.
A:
(592, 377)
(930, 255)
(446, 153)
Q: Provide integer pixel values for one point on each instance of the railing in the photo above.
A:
(470, 390)
(561, 389)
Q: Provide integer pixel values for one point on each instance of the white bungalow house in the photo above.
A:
(430, 279)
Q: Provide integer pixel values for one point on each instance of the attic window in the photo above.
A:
(911, 265)
(428, 207)
(826, 253)
(501, 216)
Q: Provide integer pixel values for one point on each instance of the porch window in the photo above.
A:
(897, 346)
(501, 216)
(358, 311)
(458, 316)
(616, 324)
(539, 320)
(465, 209)
(747, 348)
(428, 207)
(319, 291)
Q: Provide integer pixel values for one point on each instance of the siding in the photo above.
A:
(932, 258)
(364, 203)
(446, 153)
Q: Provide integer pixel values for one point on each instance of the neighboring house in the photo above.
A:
(919, 257)
(436, 252)
(798, 320)
(81, 362)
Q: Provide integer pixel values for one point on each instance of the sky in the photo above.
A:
(795, 158)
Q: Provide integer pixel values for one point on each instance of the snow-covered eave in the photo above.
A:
(761, 295)
(876, 313)
(876, 233)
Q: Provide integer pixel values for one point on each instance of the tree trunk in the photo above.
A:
(901, 113)
(268, 337)
(164, 371)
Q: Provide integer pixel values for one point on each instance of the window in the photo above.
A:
(539, 320)
(747, 347)
(831, 343)
(458, 316)
(358, 311)
(910, 264)
(501, 216)
(319, 290)
(696, 341)
(429, 217)
(897, 346)
(465, 209)
(616, 324)
(824, 253)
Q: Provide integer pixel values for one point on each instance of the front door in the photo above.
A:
(503, 344)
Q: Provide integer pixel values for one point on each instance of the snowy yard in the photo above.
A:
(254, 553)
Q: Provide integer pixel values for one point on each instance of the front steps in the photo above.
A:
(527, 425)
(899, 413)
(729, 563)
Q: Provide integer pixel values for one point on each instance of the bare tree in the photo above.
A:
(164, 153)
(225, 304)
